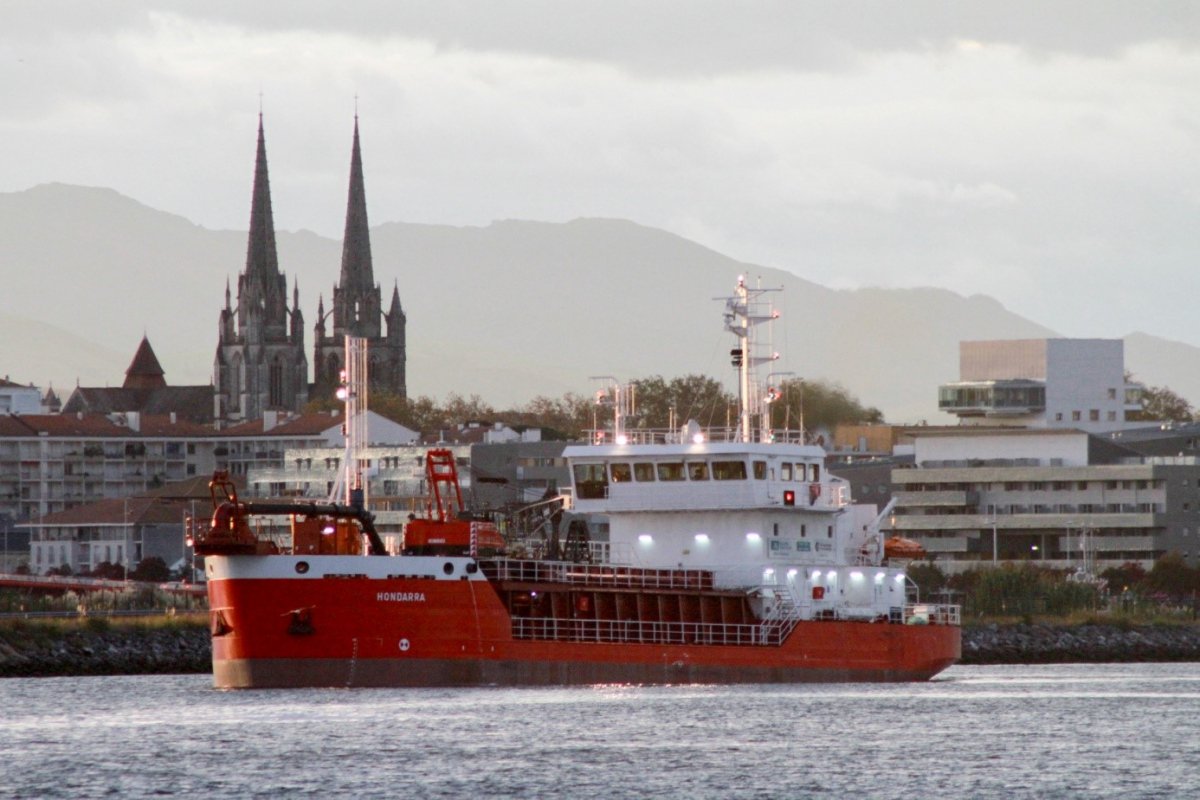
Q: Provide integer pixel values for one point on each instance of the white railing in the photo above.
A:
(679, 435)
(605, 575)
(933, 614)
(633, 632)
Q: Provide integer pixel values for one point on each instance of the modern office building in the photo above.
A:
(1042, 383)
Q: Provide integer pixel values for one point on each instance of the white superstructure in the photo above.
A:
(756, 513)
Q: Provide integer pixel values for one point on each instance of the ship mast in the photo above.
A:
(353, 391)
(744, 311)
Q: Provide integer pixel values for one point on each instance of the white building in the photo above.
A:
(1051, 496)
(1043, 383)
(18, 399)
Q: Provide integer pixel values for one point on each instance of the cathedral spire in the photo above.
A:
(357, 274)
(395, 309)
(262, 262)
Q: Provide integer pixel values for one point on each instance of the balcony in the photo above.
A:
(993, 398)
(955, 499)
(1025, 521)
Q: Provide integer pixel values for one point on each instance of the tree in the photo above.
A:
(1127, 576)
(1171, 576)
(697, 397)
(929, 578)
(108, 571)
(1160, 403)
(152, 569)
(822, 405)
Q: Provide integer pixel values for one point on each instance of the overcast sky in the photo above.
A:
(1042, 153)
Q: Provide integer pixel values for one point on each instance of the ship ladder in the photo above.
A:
(783, 617)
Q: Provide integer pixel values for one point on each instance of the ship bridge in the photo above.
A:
(611, 479)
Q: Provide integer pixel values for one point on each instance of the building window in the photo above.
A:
(1094, 415)
(1112, 394)
(1112, 416)
(1058, 417)
(1076, 416)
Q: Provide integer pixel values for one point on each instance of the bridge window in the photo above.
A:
(697, 470)
(785, 472)
(591, 481)
(643, 472)
(760, 470)
(670, 471)
(621, 473)
(729, 470)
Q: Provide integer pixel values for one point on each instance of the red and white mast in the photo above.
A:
(744, 311)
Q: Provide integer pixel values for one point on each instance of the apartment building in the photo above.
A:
(1047, 495)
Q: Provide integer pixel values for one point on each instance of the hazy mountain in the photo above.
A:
(1160, 362)
(507, 311)
(31, 350)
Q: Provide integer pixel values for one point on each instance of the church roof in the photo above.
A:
(357, 273)
(262, 260)
(144, 371)
(192, 403)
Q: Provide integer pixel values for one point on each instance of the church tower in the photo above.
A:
(358, 307)
(260, 363)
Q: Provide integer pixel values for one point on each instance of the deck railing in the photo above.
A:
(933, 614)
(601, 575)
(602, 631)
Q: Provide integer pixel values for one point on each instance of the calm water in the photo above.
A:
(1059, 731)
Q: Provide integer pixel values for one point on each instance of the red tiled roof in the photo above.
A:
(305, 425)
(141, 510)
(60, 425)
(97, 425)
(162, 426)
(144, 371)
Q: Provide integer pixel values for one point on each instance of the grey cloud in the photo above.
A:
(671, 36)
(711, 36)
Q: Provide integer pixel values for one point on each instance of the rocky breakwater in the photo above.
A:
(1041, 643)
(96, 647)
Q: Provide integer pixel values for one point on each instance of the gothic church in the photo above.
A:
(260, 362)
(357, 306)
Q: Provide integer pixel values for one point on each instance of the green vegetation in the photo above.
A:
(1025, 591)
(821, 405)
(16, 630)
(134, 598)
(1160, 403)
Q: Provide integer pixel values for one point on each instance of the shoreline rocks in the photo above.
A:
(30, 652)
(1042, 643)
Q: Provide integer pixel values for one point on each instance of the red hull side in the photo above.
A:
(413, 632)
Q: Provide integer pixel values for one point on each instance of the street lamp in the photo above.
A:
(995, 540)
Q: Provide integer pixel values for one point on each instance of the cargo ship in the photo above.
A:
(733, 556)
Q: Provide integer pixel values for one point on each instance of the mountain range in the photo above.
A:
(507, 311)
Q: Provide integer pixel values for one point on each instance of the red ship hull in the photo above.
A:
(352, 630)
